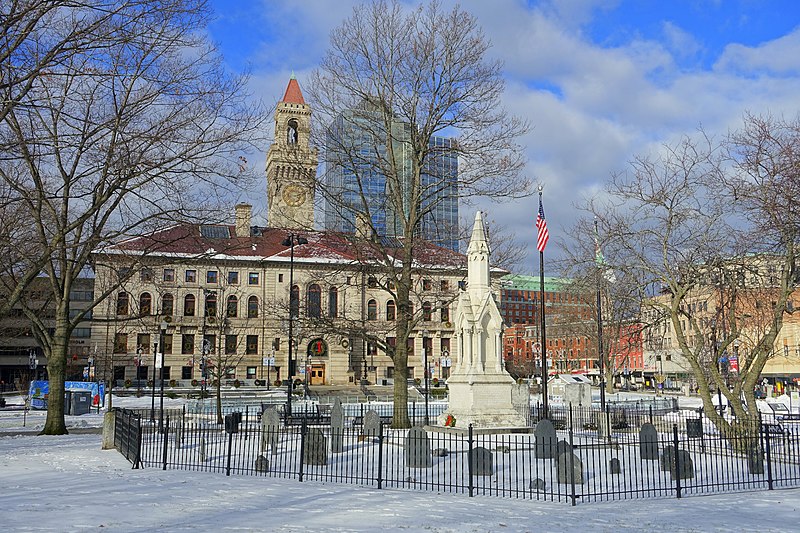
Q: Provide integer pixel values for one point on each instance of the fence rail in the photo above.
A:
(575, 459)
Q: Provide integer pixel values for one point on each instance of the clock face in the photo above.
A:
(294, 195)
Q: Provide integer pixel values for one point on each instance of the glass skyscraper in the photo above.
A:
(357, 154)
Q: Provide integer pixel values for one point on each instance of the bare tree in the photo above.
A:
(708, 231)
(392, 83)
(110, 137)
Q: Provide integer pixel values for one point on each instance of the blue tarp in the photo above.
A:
(40, 390)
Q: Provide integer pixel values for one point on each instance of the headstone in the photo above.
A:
(270, 426)
(563, 447)
(538, 485)
(417, 449)
(262, 464)
(178, 434)
(667, 460)
(202, 450)
(755, 460)
(337, 427)
(694, 427)
(315, 451)
(372, 424)
(685, 467)
(482, 461)
(440, 452)
(545, 440)
(503, 449)
(566, 463)
(614, 466)
(648, 442)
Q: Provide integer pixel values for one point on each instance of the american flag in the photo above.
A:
(541, 225)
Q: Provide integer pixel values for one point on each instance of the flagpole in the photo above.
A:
(544, 334)
(600, 324)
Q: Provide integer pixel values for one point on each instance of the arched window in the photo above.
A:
(145, 303)
(167, 305)
(252, 307)
(122, 303)
(426, 311)
(232, 309)
(291, 131)
(188, 305)
(211, 304)
(294, 301)
(445, 313)
(372, 310)
(333, 302)
(391, 310)
(314, 301)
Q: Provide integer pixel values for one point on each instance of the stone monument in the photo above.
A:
(482, 393)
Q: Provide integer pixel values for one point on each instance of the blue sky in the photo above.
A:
(599, 80)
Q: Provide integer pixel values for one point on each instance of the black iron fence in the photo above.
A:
(574, 459)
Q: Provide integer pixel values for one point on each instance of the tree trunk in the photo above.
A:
(56, 369)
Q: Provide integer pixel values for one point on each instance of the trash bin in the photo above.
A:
(80, 402)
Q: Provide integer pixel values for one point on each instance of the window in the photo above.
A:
(391, 310)
(276, 344)
(426, 311)
(251, 372)
(191, 276)
(372, 310)
(372, 282)
(167, 349)
(209, 344)
(252, 345)
(233, 278)
(141, 372)
(444, 285)
(169, 275)
(230, 372)
(252, 278)
(252, 307)
(186, 372)
(445, 313)
(81, 333)
(462, 285)
(445, 346)
(314, 301)
(121, 343)
(188, 305)
(232, 307)
(294, 301)
(372, 348)
(280, 278)
(211, 304)
(211, 276)
(230, 344)
(167, 305)
(146, 274)
(187, 344)
(410, 347)
(122, 303)
(143, 343)
(165, 370)
(333, 302)
(426, 284)
(145, 303)
(119, 373)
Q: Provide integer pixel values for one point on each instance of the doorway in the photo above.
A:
(317, 374)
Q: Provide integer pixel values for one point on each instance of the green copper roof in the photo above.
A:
(531, 283)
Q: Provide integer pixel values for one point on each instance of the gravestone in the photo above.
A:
(178, 434)
(538, 485)
(372, 424)
(417, 449)
(262, 464)
(694, 428)
(563, 446)
(667, 460)
(440, 452)
(481, 461)
(685, 466)
(270, 426)
(315, 451)
(503, 449)
(545, 440)
(614, 466)
(564, 467)
(337, 427)
(648, 442)
(202, 450)
(755, 460)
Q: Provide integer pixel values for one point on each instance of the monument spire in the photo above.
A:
(479, 281)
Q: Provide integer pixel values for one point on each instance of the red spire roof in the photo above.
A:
(293, 94)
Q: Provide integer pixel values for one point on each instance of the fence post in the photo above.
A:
(677, 467)
(769, 455)
(380, 455)
(246, 411)
(302, 447)
(650, 410)
(230, 445)
(469, 461)
(138, 459)
(166, 440)
(571, 460)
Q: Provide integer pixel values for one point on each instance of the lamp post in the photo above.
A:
(204, 354)
(139, 352)
(162, 334)
(291, 240)
(153, 389)
(426, 375)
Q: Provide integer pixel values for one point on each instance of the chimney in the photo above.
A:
(243, 212)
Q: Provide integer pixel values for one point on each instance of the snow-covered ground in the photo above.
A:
(67, 483)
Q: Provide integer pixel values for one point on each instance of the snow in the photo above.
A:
(67, 483)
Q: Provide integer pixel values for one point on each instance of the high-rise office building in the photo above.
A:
(357, 155)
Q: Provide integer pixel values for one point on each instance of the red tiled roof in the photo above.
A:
(293, 94)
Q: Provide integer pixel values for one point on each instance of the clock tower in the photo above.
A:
(291, 164)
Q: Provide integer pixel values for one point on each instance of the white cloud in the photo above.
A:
(778, 57)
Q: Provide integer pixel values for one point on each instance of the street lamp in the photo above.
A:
(425, 375)
(153, 381)
(163, 333)
(291, 240)
(203, 362)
